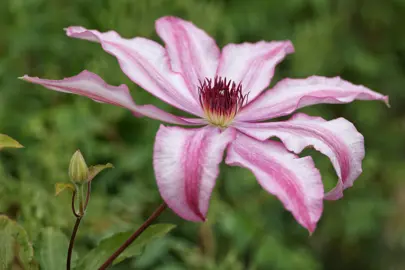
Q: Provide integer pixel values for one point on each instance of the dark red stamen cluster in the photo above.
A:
(221, 99)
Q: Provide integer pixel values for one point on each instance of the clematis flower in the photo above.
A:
(226, 91)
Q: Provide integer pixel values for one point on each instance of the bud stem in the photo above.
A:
(73, 204)
(87, 195)
(82, 208)
(81, 200)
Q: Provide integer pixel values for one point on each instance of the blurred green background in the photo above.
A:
(361, 40)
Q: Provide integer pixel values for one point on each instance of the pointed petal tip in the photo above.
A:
(68, 30)
(386, 100)
(197, 217)
(289, 47)
(201, 216)
(74, 30)
(311, 228)
(169, 18)
(26, 77)
(335, 194)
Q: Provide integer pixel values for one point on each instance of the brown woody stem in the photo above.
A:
(135, 235)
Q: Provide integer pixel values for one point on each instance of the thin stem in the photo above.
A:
(73, 204)
(78, 216)
(135, 235)
(87, 195)
(72, 241)
(81, 200)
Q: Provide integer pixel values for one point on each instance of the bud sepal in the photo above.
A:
(78, 170)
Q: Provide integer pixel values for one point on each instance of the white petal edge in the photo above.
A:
(252, 64)
(291, 94)
(186, 164)
(294, 181)
(192, 52)
(146, 63)
(92, 86)
(338, 139)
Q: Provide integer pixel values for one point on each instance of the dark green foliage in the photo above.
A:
(51, 248)
(361, 40)
(106, 247)
(15, 249)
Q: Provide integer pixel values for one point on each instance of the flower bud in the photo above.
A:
(78, 170)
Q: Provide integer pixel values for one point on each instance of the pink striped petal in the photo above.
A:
(92, 86)
(292, 94)
(186, 167)
(253, 64)
(145, 62)
(295, 181)
(338, 139)
(192, 52)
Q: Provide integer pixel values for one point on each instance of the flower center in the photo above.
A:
(221, 99)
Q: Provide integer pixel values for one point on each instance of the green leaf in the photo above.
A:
(6, 141)
(96, 169)
(52, 249)
(15, 248)
(59, 187)
(98, 255)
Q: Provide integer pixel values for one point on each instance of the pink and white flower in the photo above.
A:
(225, 90)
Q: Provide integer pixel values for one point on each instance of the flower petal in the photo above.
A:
(252, 64)
(145, 62)
(92, 86)
(192, 52)
(291, 94)
(295, 181)
(186, 167)
(338, 139)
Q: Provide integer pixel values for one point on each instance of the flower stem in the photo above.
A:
(135, 235)
(82, 208)
(73, 204)
(72, 241)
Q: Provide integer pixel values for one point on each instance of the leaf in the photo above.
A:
(96, 169)
(59, 187)
(6, 141)
(15, 248)
(98, 255)
(52, 249)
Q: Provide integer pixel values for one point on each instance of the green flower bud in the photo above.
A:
(78, 170)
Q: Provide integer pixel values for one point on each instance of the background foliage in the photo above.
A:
(361, 40)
